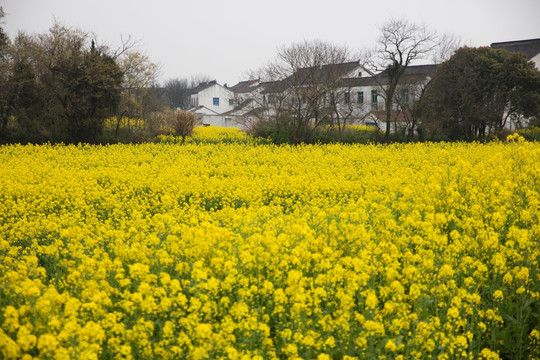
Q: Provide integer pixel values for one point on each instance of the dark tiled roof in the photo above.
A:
(417, 70)
(342, 68)
(531, 47)
(240, 107)
(246, 108)
(202, 86)
(244, 86)
(307, 76)
(310, 75)
(357, 82)
(270, 87)
(424, 70)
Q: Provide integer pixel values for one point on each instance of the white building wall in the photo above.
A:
(368, 104)
(359, 70)
(194, 100)
(206, 98)
(219, 120)
(254, 94)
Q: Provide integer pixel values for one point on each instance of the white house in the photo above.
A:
(356, 94)
(209, 100)
(245, 90)
(359, 95)
(366, 92)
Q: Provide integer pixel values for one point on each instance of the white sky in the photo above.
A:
(224, 39)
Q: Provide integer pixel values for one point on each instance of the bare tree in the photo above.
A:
(195, 80)
(126, 45)
(447, 45)
(400, 43)
(405, 93)
(177, 91)
(303, 86)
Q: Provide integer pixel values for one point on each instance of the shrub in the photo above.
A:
(532, 134)
(277, 130)
(184, 122)
(180, 122)
(283, 131)
(351, 134)
(213, 135)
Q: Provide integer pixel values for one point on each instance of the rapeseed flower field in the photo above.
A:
(244, 250)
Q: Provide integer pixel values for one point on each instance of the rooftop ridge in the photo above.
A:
(514, 41)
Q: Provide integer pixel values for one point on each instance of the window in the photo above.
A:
(405, 96)
(374, 96)
(360, 97)
(347, 97)
(271, 99)
(231, 102)
(359, 74)
(216, 101)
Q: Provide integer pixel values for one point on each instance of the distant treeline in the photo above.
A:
(62, 86)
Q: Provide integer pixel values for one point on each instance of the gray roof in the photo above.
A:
(413, 73)
(313, 74)
(530, 47)
(358, 82)
(202, 86)
(415, 70)
(306, 76)
(270, 87)
(247, 106)
(245, 86)
(424, 70)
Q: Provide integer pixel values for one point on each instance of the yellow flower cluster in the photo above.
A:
(124, 122)
(212, 135)
(252, 251)
(515, 137)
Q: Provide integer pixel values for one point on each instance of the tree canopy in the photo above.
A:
(477, 91)
(60, 86)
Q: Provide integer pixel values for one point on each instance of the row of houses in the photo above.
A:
(355, 96)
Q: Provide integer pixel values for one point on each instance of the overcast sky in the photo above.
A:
(224, 39)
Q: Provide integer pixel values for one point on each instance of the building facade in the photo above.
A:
(336, 93)
(209, 100)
